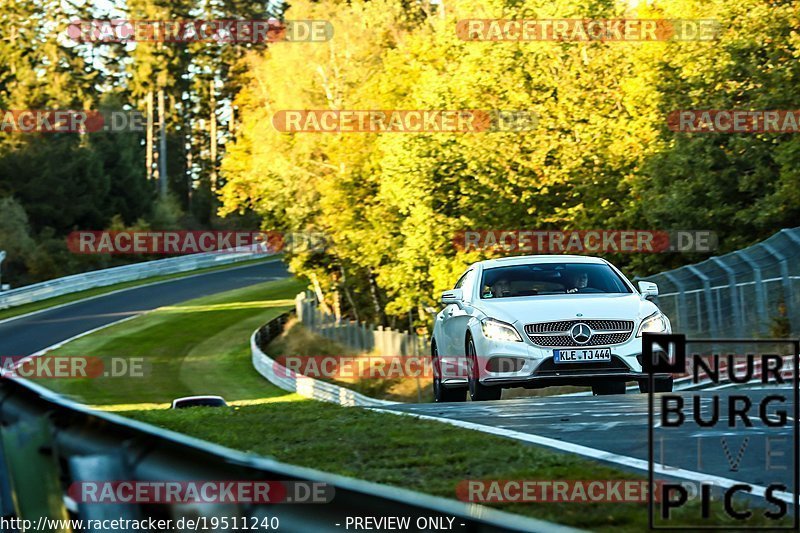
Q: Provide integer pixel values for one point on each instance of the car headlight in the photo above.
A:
(655, 323)
(499, 331)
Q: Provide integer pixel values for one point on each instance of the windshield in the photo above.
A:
(551, 278)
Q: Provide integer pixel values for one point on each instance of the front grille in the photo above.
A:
(564, 325)
(541, 333)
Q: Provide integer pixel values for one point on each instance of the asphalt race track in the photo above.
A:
(28, 335)
(619, 424)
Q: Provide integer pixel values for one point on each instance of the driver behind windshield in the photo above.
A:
(501, 288)
(498, 289)
(575, 281)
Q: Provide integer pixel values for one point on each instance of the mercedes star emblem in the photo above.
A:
(581, 333)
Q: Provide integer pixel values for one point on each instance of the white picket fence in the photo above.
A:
(111, 276)
(359, 336)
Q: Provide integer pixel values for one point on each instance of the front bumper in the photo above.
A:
(524, 364)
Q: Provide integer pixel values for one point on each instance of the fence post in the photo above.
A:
(712, 316)
(366, 337)
(682, 318)
(352, 341)
(419, 362)
(734, 292)
(785, 281)
(323, 323)
(394, 343)
(300, 308)
(378, 336)
(761, 300)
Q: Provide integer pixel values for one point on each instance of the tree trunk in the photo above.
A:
(162, 145)
(149, 138)
(376, 302)
(213, 137)
(348, 295)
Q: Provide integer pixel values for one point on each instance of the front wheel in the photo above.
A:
(477, 391)
(608, 387)
(440, 392)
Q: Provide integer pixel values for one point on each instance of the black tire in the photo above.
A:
(477, 391)
(660, 385)
(608, 388)
(440, 392)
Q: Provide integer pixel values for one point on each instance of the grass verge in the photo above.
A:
(196, 347)
(75, 296)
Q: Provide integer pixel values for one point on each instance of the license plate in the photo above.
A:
(589, 355)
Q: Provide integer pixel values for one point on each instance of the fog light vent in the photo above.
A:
(505, 364)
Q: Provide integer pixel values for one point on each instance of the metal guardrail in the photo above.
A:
(121, 274)
(291, 381)
(750, 292)
(49, 443)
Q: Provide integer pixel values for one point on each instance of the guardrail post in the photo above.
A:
(6, 495)
(33, 471)
(94, 468)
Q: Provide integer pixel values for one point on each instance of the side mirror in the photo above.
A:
(453, 296)
(648, 289)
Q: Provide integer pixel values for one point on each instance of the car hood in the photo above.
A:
(529, 309)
